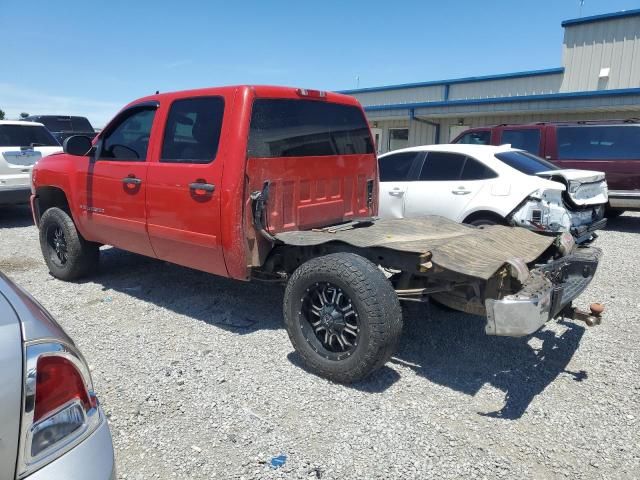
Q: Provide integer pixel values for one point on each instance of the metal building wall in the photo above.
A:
(406, 95)
(588, 47)
(533, 85)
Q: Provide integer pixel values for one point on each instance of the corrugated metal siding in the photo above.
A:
(613, 44)
(409, 95)
(424, 134)
(540, 84)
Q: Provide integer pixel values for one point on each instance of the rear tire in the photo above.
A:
(343, 316)
(67, 254)
(485, 220)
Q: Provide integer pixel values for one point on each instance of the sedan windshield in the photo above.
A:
(26, 136)
(525, 162)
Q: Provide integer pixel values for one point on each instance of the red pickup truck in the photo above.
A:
(281, 184)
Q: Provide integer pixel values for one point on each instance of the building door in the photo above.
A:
(376, 133)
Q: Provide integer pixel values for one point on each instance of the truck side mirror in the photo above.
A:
(77, 145)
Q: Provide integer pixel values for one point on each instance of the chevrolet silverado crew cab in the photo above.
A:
(281, 184)
(612, 147)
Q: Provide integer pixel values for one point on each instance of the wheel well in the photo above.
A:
(484, 214)
(48, 197)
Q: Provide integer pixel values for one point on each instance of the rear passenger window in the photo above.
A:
(193, 129)
(476, 138)
(442, 166)
(599, 142)
(525, 139)
(395, 168)
(304, 128)
(475, 170)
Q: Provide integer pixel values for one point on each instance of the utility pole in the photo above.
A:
(580, 7)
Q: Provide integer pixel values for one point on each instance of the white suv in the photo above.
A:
(484, 185)
(22, 144)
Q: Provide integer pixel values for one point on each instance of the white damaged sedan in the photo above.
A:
(485, 185)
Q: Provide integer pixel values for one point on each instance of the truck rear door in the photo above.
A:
(184, 183)
(315, 153)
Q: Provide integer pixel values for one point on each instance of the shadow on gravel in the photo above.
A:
(13, 216)
(447, 348)
(237, 306)
(378, 382)
(451, 349)
(624, 223)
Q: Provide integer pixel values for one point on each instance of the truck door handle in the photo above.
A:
(204, 187)
(396, 192)
(131, 181)
(460, 191)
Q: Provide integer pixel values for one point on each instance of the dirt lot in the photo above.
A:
(199, 380)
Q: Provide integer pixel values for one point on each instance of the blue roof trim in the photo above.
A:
(599, 18)
(518, 98)
(502, 76)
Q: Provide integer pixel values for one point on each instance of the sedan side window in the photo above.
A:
(128, 139)
(396, 167)
(442, 166)
(475, 170)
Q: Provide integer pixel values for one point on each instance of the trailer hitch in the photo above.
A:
(590, 318)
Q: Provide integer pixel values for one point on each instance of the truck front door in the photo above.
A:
(112, 188)
(184, 183)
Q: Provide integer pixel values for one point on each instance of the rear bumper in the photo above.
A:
(93, 458)
(14, 195)
(624, 199)
(548, 291)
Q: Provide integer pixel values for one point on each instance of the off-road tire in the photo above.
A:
(81, 256)
(372, 295)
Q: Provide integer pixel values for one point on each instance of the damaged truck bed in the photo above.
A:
(516, 278)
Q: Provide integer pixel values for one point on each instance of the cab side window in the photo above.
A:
(476, 138)
(128, 139)
(396, 167)
(525, 139)
(193, 130)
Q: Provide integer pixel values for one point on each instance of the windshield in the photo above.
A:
(525, 162)
(26, 136)
(297, 128)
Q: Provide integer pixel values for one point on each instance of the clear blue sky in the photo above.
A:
(90, 57)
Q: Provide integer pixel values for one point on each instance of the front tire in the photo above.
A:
(67, 254)
(343, 316)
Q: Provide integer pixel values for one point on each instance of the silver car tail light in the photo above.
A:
(60, 408)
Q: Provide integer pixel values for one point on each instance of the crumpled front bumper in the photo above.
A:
(550, 288)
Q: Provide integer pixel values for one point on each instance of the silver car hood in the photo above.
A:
(584, 187)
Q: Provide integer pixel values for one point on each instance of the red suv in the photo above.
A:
(611, 146)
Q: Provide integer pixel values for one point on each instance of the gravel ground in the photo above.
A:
(199, 380)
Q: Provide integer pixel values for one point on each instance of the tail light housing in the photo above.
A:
(60, 408)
